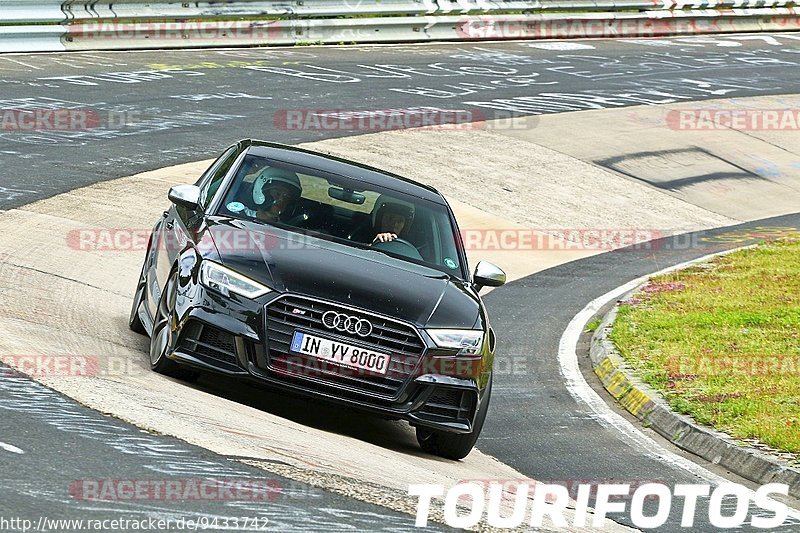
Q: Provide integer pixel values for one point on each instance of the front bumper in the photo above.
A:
(236, 337)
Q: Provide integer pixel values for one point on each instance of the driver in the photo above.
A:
(275, 194)
(391, 220)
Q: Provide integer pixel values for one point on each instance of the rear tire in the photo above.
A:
(454, 445)
(134, 322)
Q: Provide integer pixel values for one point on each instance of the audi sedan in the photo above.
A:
(323, 277)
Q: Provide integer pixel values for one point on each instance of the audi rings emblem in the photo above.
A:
(345, 323)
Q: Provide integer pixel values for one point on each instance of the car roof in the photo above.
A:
(343, 167)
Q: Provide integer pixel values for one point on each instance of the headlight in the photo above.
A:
(466, 341)
(222, 279)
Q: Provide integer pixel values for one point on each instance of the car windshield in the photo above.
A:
(345, 210)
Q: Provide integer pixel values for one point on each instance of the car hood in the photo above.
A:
(362, 278)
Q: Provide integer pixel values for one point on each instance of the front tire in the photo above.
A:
(161, 338)
(454, 445)
(134, 322)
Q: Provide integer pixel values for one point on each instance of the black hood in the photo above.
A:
(367, 279)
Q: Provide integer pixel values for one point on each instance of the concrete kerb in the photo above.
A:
(647, 405)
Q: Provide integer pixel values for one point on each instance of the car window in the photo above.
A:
(212, 178)
(345, 210)
(317, 190)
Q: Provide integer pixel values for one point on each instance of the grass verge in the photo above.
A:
(721, 342)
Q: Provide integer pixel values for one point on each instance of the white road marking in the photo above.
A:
(71, 64)
(103, 58)
(21, 63)
(562, 45)
(770, 40)
(10, 448)
(583, 393)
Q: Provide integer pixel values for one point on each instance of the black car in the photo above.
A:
(323, 277)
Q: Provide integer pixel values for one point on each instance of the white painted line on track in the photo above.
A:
(558, 45)
(21, 63)
(10, 448)
(583, 393)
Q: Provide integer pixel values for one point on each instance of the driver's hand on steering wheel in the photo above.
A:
(384, 237)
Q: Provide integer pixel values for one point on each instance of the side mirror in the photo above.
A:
(187, 196)
(488, 275)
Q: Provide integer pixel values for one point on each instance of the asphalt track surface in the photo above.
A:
(80, 465)
(163, 108)
(158, 108)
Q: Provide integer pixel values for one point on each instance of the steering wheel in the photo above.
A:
(403, 241)
(405, 248)
(298, 220)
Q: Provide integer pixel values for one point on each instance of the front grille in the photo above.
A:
(454, 404)
(202, 339)
(293, 313)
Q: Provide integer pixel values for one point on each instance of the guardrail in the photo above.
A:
(49, 25)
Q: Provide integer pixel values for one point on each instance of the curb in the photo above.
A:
(652, 410)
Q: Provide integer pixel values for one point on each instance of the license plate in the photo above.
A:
(339, 353)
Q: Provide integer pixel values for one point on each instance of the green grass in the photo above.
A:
(593, 324)
(721, 342)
